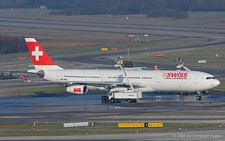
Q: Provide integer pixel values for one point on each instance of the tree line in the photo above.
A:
(169, 13)
(93, 7)
(12, 44)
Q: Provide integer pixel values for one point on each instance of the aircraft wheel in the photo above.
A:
(112, 100)
(129, 100)
(198, 97)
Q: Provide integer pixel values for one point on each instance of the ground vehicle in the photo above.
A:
(122, 94)
(7, 75)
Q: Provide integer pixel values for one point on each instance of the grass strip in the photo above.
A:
(47, 129)
(33, 91)
(214, 56)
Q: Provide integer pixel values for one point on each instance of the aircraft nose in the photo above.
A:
(217, 83)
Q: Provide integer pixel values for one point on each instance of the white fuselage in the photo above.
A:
(149, 80)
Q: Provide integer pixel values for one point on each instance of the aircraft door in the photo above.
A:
(102, 79)
(157, 79)
(120, 78)
(58, 76)
(196, 79)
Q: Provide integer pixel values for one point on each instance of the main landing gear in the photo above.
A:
(199, 96)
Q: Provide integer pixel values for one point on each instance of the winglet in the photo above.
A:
(40, 58)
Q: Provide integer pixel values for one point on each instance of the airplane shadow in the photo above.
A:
(41, 94)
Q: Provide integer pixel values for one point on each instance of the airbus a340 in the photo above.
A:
(78, 81)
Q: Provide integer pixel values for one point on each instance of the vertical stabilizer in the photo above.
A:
(39, 57)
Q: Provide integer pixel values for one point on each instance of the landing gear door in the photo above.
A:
(196, 79)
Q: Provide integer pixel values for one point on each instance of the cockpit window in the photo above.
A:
(210, 78)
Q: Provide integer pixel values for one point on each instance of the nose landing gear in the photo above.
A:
(198, 97)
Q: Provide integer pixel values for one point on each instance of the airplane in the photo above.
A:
(78, 81)
(156, 67)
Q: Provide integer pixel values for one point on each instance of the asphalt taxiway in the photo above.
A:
(64, 107)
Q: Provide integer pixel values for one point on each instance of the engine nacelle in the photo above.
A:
(77, 89)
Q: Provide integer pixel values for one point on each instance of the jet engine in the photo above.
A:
(41, 73)
(77, 89)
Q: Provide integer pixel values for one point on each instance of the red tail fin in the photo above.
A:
(40, 58)
(156, 68)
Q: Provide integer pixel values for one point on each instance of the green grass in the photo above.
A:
(63, 64)
(189, 57)
(47, 129)
(32, 91)
(154, 43)
(196, 19)
(22, 125)
(61, 34)
(186, 114)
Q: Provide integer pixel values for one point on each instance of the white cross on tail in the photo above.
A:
(37, 53)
